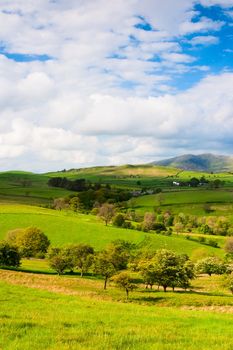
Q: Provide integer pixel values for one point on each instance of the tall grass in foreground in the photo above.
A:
(34, 319)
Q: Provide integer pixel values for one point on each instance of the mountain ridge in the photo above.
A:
(203, 162)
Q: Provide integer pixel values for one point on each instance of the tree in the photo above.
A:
(148, 222)
(119, 253)
(167, 269)
(104, 266)
(124, 281)
(106, 212)
(59, 264)
(74, 203)
(229, 282)
(81, 256)
(210, 265)
(194, 182)
(118, 220)
(160, 198)
(60, 203)
(59, 260)
(229, 245)
(31, 242)
(9, 255)
(148, 270)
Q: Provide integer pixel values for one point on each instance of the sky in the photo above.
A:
(99, 82)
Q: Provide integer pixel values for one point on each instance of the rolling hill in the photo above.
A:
(203, 162)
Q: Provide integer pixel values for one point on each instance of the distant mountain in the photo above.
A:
(203, 162)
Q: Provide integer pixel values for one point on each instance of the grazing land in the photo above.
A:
(40, 309)
(74, 316)
(63, 227)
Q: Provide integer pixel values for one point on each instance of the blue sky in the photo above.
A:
(98, 82)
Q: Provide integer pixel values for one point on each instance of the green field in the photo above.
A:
(64, 227)
(188, 201)
(73, 316)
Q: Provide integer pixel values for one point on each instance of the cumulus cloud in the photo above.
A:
(205, 40)
(103, 90)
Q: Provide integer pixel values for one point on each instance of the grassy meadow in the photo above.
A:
(53, 312)
(64, 227)
(40, 310)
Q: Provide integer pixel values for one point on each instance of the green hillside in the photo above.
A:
(64, 227)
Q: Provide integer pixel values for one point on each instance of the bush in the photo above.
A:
(159, 227)
(213, 243)
(9, 255)
(118, 220)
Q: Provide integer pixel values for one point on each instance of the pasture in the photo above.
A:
(65, 227)
(53, 312)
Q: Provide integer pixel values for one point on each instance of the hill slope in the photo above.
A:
(203, 162)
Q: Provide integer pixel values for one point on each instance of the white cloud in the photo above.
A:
(203, 25)
(205, 40)
(87, 106)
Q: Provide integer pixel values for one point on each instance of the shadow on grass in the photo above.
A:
(147, 299)
(28, 270)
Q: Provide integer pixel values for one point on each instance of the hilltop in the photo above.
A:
(203, 162)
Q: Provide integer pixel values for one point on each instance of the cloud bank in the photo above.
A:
(94, 82)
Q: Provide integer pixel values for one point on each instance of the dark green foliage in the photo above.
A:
(9, 255)
(118, 220)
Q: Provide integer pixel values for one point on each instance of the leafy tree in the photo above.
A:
(148, 270)
(59, 264)
(160, 198)
(148, 222)
(229, 245)
(210, 265)
(74, 203)
(119, 253)
(9, 255)
(124, 281)
(194, 182)
(81, 256)
(31, 242)
(118, 220)
(229, 282)
(106, 212)
(60, 203)
(104, 266)
(59, 260)
(167, 269)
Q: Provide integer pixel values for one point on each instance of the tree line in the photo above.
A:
(163, 268)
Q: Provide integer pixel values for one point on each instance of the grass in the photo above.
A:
(66, 227)
(188, 201)
(72, 316)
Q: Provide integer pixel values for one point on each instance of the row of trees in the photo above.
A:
(165, 222)
(89, 195)
(162, 267)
